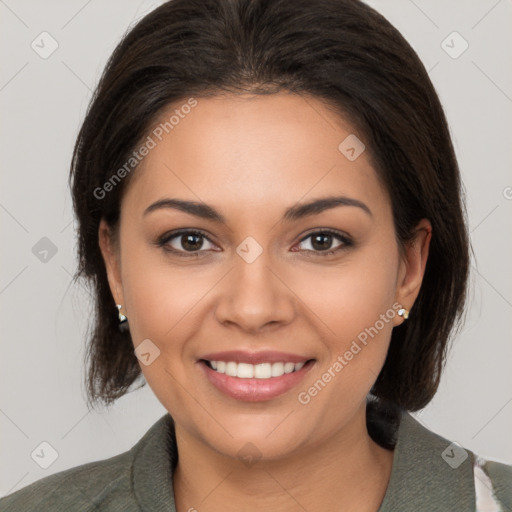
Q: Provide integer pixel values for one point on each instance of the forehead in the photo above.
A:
(254, 150)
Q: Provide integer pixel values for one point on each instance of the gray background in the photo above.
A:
(44, 318)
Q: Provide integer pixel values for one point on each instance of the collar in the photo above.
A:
(154, 459)
(421, 479)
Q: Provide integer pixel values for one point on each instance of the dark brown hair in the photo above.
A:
(340, 51)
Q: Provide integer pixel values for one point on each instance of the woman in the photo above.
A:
(270, 213)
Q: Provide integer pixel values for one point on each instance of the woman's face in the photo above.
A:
(265, 278)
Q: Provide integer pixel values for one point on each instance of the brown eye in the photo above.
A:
(184, 242)
(191, 242)
(322, 242)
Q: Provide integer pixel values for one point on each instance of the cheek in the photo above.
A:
(167, 303)
(355, 301)
(162, 304)
(351, 295)
(161, 296)
(362, 322)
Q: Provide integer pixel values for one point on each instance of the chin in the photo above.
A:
(257, 436)
(251, 449)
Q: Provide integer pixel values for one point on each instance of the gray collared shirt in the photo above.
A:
(429, 473)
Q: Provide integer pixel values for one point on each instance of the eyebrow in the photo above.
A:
(291, 214)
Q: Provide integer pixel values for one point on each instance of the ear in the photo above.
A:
(412, 266)
(110, 252)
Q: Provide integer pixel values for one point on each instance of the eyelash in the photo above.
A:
(167, 237)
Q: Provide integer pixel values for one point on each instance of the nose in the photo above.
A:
(255, 297)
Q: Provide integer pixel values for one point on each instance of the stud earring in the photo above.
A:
(403, 313)
(123, 321)
(123, 318)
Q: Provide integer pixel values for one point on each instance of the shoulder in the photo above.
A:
(83, 488)
(122, 483)
(431, 472)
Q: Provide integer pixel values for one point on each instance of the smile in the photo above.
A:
(254, 382)
(257, 371)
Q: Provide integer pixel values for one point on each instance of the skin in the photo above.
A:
(251, 157)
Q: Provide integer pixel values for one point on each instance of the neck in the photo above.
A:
(347, 471)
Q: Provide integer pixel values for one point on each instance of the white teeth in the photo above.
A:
(258, 371)
(263, 371)
(245, 371)
(277, 369)
(289, 367)
(231, 369)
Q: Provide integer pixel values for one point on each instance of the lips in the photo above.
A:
(245, 375)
